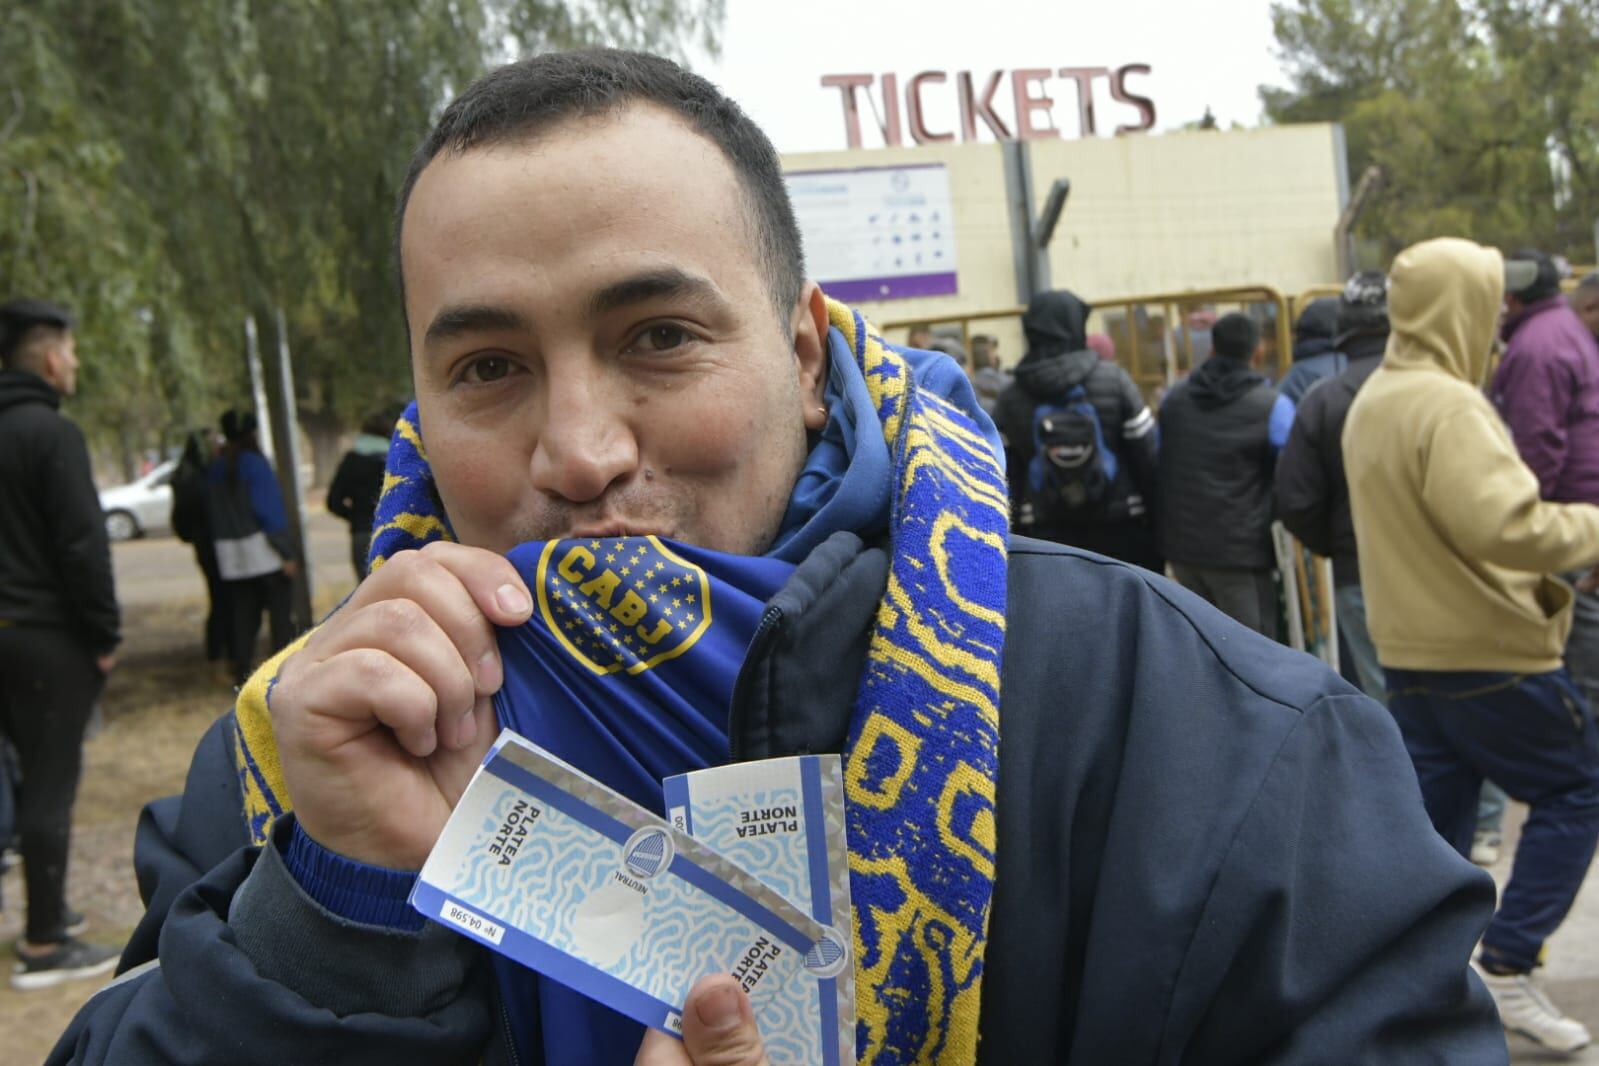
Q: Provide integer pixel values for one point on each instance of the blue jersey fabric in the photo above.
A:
(585, 680)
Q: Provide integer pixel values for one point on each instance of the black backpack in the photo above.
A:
(1072, 470)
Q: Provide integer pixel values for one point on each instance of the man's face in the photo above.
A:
(594, 345)
(1585, 301)
(61, 364)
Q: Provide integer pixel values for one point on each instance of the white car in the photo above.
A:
(140, 507)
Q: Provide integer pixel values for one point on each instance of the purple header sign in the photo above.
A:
(877, 233)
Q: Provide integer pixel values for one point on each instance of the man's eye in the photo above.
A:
(487, 369)
(661, 339)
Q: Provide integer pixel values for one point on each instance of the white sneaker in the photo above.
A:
(1524, 1009)
(1485, 847)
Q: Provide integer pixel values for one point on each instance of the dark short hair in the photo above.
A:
(524, 99)
(1235, 336)
(20, 321)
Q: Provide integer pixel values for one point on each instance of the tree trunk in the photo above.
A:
(326, 434)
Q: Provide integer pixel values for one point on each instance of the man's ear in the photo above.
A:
(809, 326)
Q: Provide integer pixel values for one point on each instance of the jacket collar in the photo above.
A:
(800, 677)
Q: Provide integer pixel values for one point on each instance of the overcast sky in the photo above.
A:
(1211, 54)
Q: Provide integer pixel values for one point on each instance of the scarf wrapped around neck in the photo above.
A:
(921, 758)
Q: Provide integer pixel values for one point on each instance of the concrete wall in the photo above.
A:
(1147, 214)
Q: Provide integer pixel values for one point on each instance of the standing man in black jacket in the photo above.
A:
(1220, 433)
(1312, 491)
(1058, 369)
(58, 622)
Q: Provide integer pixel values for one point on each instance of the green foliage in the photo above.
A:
(169, 166)
(1482, 114)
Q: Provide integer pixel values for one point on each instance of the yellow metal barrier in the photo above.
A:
(1153, 342)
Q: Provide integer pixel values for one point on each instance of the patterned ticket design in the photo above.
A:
(554, 870)
(785, 819)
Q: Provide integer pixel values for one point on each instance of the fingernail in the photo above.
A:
(718, 1009)
(512, 600)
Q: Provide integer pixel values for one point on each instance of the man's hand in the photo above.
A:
(384, 714)
(718, 1030)
(106, 663)
(291, 568)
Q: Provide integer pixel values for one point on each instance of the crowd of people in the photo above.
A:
(1429, 440)
(1177, 838)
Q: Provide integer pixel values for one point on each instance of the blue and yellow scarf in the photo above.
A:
(921, 757)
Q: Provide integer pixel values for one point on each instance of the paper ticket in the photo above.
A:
(560, 873)
(785, 819)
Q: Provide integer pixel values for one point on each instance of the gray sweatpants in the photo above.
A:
(1247, 596)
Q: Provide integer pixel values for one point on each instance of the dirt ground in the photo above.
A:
(156, 705)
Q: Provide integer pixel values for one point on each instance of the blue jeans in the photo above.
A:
(1357, 639)
(1535, 737)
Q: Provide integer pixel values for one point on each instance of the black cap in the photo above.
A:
(1531, 275)
(17, 317)
(1363, 305)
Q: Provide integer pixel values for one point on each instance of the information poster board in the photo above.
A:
(877, 233)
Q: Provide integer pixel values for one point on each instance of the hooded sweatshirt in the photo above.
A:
(1058, 360)
(1216, 462)
(1455, 544)
(1316, 354)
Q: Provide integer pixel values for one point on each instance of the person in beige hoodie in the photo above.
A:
(1457, 554)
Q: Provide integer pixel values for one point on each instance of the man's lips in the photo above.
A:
(610, 529)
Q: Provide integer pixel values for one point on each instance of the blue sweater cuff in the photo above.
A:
(370, 895)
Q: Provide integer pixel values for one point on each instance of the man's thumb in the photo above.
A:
(719, 1025)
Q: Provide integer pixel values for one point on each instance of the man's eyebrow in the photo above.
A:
(652, 285)
(462, 319)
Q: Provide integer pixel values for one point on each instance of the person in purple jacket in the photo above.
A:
(1547, 391)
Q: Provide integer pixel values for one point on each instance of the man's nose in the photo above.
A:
(585, 444)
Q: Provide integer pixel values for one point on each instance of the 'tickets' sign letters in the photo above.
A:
(1029, 94)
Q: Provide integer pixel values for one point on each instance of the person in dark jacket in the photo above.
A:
(1220, 432)
(1203, 848)
(1316, 353)
(1059, 361)
(353, 493)
(191, 523)
(59, 623)
(1312, 491)
(250, 529)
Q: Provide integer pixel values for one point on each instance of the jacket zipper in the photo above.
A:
(505, 1024)
(757, 649)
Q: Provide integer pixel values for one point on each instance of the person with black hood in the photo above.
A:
(1220, 433)
(1081, 441)
(353, 493)
(191, 523)
(1312, 490)
(1316, 353)
(59, 623)
(250, 529)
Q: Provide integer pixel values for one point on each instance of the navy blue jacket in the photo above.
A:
(1211, 850)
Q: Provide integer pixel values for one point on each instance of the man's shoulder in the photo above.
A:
(1123, 623)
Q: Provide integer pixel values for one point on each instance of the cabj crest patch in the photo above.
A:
(623, 603)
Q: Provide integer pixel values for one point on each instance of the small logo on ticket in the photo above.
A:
(648, 852)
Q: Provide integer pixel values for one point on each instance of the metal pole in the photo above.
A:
(284, 420)
(252, 357)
